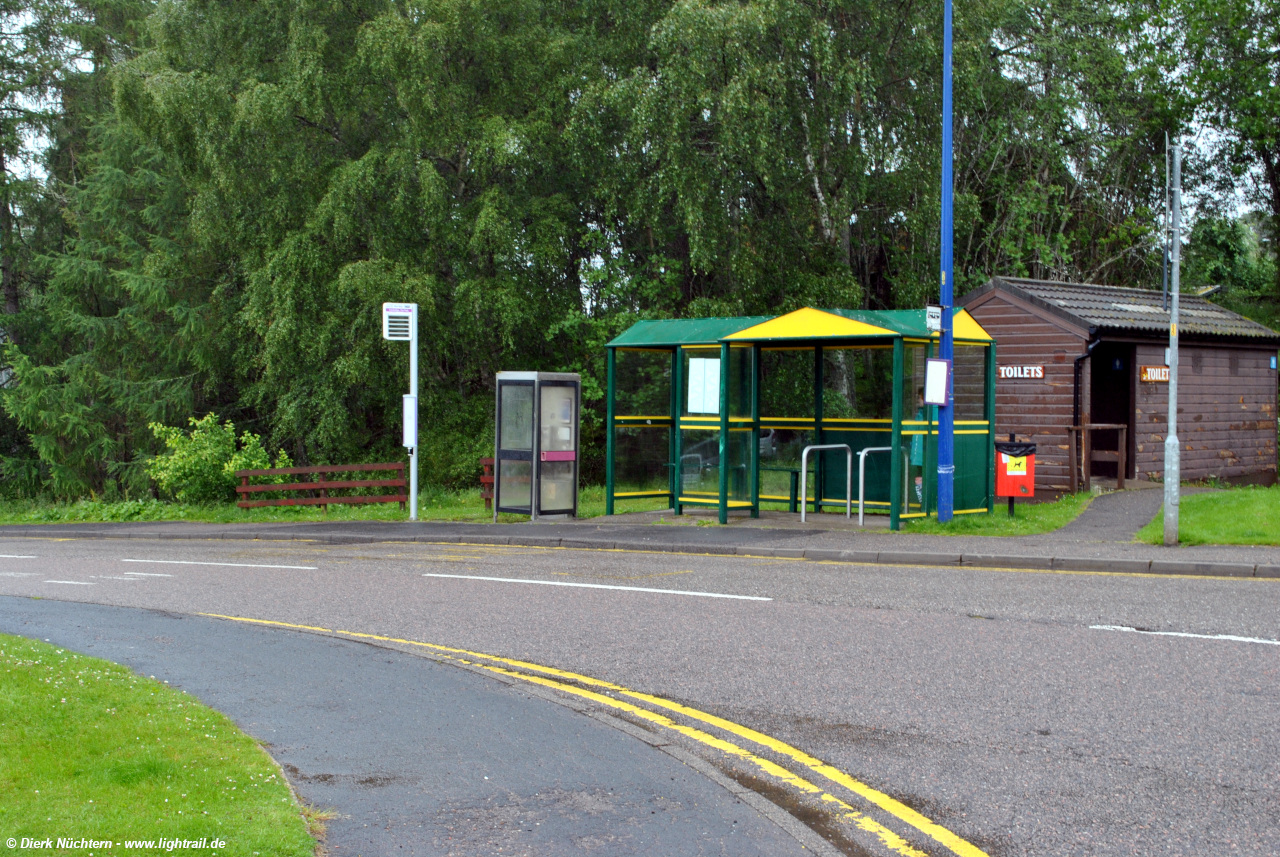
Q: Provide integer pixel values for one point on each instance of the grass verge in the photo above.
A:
(438, 504)
(1235, 516)
(1028, 520)
(89, 750)
(434, 504)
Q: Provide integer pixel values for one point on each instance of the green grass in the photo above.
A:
(90, 750)
(97, 511)
(1237, 516)
(434, 504)
(1028, 520)
(438, 504)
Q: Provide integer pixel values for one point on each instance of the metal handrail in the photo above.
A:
(804, 478)
(862, 474)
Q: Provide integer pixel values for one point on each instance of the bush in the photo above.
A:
(200, 465)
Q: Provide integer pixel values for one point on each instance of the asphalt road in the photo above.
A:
(988, 701)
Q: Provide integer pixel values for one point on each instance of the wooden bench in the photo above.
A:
(486, 483)
(321, 487)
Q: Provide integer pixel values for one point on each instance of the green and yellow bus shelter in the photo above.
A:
(714, 412)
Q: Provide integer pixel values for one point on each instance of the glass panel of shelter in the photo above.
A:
(919, 432)
(972, 431)
(857, 409)
(700, 422)
(786, 419)
(642, 416)
(699, 425)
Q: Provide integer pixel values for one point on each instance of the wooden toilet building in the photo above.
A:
(1074, 354)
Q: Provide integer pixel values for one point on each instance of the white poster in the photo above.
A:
(704, 385)
(936, 381)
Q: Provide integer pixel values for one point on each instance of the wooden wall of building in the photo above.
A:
(1226, 414)
(1035, 409)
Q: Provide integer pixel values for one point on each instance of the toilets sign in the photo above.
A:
(1020, 373)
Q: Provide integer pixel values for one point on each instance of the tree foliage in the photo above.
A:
(1234, 80)
(234, 187)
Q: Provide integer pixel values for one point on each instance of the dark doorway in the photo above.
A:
(1111, 400)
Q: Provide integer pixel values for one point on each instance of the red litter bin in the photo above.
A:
(1015, 470)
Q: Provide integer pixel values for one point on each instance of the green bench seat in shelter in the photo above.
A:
(715, 412)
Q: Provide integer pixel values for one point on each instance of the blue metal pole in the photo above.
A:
(946, 413)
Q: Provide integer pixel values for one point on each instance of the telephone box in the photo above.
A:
(537, 444)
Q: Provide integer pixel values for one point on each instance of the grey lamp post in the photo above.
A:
(1172, 454)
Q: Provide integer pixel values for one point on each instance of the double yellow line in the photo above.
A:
(586, 687)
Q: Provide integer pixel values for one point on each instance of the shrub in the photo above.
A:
(200, 466)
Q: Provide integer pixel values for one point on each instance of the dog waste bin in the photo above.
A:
(1015, 470)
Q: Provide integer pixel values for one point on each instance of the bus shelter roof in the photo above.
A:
(802, 325)
(670, 332)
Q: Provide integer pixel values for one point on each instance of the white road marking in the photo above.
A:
(109, 577)
(72, 582)
(134, 575)
(17, 574)
(232, 564)
(1230, 637)
(602, 586)
(16, 556)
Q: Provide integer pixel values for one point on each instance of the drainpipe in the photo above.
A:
(1075, 401)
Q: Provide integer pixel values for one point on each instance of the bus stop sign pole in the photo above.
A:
(946, 416)
(400, 324)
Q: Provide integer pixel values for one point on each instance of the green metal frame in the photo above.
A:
(677, 387)
(611, 375)
(819, 384)
(895, 462)
(755, 430)
(724, 433)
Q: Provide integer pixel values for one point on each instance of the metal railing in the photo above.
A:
(804, 478)
(862, 474)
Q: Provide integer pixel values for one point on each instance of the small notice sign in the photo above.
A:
(933, 318)
(1153, 374)
(1016, 466)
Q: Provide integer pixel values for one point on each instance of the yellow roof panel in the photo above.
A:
(965, 326)
(809, 323)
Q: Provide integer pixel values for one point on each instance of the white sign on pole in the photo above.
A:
(409, 436)
(933, 318)
(936, 380)
(399, 321)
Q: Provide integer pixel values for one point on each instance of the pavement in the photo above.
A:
(1100, 539)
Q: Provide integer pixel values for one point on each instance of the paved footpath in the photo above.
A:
(1101, 539)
